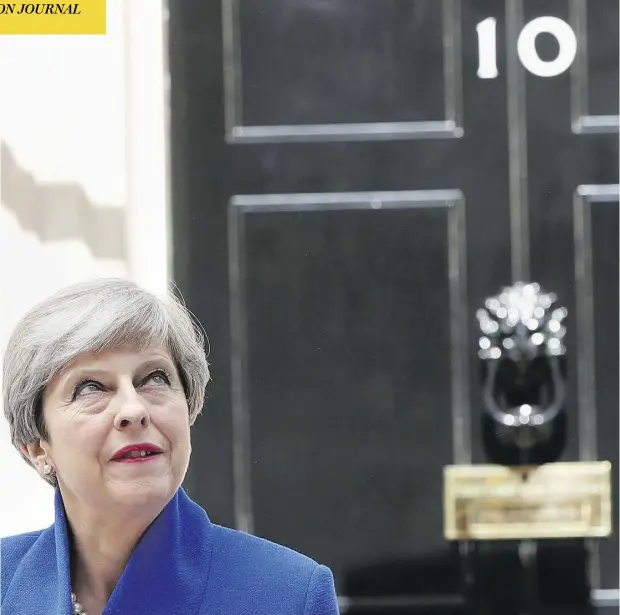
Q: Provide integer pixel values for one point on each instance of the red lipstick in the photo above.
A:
(135, 453)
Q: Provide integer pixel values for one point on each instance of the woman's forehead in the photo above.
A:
(118, 355)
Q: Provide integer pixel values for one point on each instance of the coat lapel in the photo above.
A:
(167, 572)
(41, 583)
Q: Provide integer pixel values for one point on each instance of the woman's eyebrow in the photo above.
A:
(80, 373)
(156, 362)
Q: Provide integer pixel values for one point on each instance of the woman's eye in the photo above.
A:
(158, 377)
(86, 387)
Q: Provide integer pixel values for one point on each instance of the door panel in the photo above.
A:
(597, 58)
(596, 272)
(335, 387)
(351, 70)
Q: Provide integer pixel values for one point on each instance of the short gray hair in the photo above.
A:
(89, 317)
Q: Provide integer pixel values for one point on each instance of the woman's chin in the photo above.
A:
(143, 491)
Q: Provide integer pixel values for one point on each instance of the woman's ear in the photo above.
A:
(35, 452)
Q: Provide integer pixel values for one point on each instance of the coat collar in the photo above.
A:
(166, 573)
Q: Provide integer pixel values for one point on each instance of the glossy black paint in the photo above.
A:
(348, 367)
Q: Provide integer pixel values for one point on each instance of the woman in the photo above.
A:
(101, 384)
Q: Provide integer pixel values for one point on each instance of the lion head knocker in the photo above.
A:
(522, 352)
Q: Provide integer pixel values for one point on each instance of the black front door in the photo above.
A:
(351, 180)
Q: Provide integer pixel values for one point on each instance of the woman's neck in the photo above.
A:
(100, 550)
(97, 562)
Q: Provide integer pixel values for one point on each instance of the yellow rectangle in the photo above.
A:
(86, 17)
(555, 500)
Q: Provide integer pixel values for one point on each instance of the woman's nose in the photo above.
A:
(126, 422)
(132, 410)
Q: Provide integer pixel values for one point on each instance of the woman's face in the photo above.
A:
(104, 402)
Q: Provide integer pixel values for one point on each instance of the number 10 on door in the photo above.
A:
(526, 47)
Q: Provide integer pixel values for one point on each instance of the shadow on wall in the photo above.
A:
(61, 211)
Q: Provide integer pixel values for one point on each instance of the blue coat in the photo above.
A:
(183, 565)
